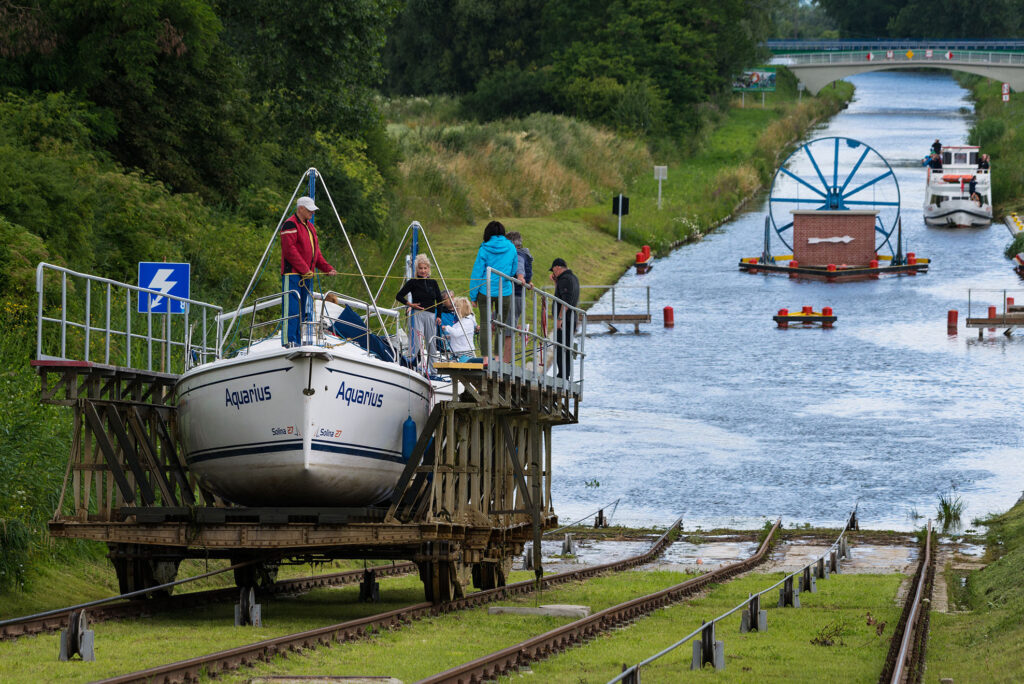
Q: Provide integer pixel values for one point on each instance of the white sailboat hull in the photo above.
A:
(307, 426)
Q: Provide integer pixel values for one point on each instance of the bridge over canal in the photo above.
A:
(818, 63)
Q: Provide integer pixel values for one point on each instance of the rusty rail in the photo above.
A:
(54, 621)
(907, 649)
(223, 661)
(496, 664)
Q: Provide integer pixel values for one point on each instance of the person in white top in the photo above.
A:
(460, 333)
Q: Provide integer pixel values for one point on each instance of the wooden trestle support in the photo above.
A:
(476, 488)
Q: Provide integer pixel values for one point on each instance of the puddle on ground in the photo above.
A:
(683, 556)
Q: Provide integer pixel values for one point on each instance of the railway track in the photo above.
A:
(191, 669)
(129, 609)
(562, 638)
(905, 660)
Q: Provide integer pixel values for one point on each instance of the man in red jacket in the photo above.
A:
(300, 256)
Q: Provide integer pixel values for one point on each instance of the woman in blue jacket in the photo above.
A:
(498, 253)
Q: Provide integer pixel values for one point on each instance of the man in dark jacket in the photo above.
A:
(567, 289)
(300, 257)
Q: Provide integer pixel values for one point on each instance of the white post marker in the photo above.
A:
(620, 218)
(1006, 92)
(660, 174)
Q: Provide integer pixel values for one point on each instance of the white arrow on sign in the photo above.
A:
(845, 238)
(160, 283)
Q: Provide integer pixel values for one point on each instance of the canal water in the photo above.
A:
(726, 419)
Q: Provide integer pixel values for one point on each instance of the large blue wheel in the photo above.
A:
(839, 174)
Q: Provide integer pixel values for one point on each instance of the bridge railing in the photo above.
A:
(897, 56)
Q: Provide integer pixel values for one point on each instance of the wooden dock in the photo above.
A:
(1013, 318)
(625, 319)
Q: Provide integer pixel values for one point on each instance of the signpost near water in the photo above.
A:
(620, 206)
(660, 174)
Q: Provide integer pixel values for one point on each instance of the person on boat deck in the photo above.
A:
(936, 147)
(976, 198)
(423, 298)
(984, 162)
(445, 315)
(300, 258)
(524, 273)
(935, 162)
(498, 253)
(567, 288)
(460, 332)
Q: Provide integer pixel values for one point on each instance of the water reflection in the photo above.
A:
(726, 418)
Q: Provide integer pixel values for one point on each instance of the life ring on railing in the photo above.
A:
(957, 177)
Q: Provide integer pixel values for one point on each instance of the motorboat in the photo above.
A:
(959, 195)
(330, 422)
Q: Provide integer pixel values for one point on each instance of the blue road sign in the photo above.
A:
(170, 279)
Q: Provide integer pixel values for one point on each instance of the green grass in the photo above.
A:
(783, 653)
(130, 645)
(985, 643)
(92, 578)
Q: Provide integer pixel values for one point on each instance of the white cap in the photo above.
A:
(306, 203)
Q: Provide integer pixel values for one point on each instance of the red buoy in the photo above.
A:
(670, 317)
(639, 257)
(991, 312)
(951, 321)
(1009, 301)
(832, 267)
(793, 264)
(808, 309)
(784, 312)
(647, 250)
(826, 311)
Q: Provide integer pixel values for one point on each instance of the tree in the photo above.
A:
(448, 46)
(314, 66)
(865, 18)
(158, 67)
(957, 19)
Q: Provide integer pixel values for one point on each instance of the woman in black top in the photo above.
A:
(426, 296)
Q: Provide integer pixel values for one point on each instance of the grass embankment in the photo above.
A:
(999, 130)
(984, 642)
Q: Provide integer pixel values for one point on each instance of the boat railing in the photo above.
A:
(100, 320)
(314, 330)
(536, 353)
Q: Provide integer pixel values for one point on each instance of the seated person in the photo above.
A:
(445, 315)
(460, 333)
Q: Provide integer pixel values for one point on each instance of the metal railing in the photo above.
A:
(620, 288)
(708, 650)
(911, 645)
(899, 56)
(1008, 298)
(844, 44)
(122, 336)
(532, 354)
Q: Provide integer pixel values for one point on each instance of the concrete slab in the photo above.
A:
(553, 610)
(864, 558)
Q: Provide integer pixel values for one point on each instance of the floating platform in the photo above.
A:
(1014, 224)
(912, 265)
(644, 260)
(806, 317)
